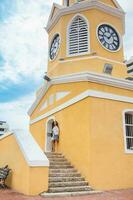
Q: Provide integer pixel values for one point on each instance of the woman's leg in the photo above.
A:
(56, 145)
(53, 146)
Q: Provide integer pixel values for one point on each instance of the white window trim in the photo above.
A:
(67, 36)
(127, 151)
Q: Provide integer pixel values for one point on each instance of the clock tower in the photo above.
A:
(86, 35)
(86, 91)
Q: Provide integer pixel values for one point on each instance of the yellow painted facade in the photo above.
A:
(92, 134)
(96, 57)
(23, 178)
(91, 129)
(88, 104)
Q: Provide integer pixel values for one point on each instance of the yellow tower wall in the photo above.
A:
(91, 134)
(95, 59)
(111, 166)
(71, 134)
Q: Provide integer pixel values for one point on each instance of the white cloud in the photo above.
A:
(15, 113)
(23, 43)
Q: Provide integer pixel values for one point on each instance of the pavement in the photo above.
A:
(108, 195)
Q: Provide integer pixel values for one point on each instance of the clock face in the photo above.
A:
(54, 47)
(108, 37)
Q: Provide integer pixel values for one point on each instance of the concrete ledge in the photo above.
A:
(33, 154)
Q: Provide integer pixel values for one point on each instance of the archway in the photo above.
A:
(48, 143)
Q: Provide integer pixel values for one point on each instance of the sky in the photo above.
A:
(24, 54)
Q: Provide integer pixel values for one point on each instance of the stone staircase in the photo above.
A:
(64, 180)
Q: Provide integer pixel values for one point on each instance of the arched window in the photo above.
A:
(78, 36)
(129, 130)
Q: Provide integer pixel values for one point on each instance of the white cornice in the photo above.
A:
(83, 76)
(55, 5)
(85, 6)
(118, 5)
(83, 95)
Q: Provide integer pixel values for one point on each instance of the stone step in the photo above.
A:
(62, 170)
(74, 174)
(63, 179)
(69, 189)
(52, 153)
(57, 159)
(70, 194)
(60, 166)
(60, 163)
(54, 156)
(68, 184)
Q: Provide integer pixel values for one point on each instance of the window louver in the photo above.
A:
(129, 131)
(78, 36)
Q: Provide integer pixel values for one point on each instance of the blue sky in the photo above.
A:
(23, 54)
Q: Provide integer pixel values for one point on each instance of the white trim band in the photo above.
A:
(87, 93)
(83, 76)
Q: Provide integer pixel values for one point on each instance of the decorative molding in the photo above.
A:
(62, 106)
(87, 57)
(44, 105)
(87, 93)
(51, 99)
(36, 102)
(33, 154)
(61, 95)
(55, 5)
(83, 76)
(86, 6)
(118, 5)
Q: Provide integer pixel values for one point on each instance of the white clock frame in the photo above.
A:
(119, 35)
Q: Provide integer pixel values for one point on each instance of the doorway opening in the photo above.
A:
(49, 126)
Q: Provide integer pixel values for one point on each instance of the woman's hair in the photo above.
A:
(55, 123)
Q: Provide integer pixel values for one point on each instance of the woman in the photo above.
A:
(55, 136)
